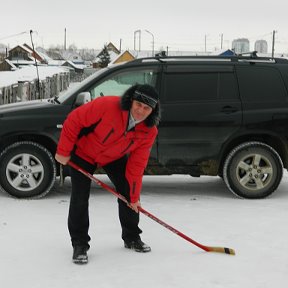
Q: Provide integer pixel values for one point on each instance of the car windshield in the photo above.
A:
(74, 87)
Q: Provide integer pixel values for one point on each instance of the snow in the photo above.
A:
(28, 74)
(36, 251)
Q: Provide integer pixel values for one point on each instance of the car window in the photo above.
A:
(76, 87)
(119, 82)
(191, 86)
(199, 84)
(284, 72)
(261, 84)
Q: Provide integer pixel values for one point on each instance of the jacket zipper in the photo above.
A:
(108, 135)
(129, 145)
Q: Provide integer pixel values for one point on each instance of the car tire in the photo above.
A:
(28, 170)
(253, 170)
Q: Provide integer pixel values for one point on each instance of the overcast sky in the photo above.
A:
(183, 25)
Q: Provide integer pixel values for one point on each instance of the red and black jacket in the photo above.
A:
(109, 141)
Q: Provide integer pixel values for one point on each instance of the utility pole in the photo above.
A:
(137, 32)
(139, 40)
(120, 45)
(205, 42)
(221, 41)
(34, 55)
(65, 39)
(152, 41)
(273, 42)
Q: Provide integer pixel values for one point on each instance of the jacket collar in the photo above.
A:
(139, 127)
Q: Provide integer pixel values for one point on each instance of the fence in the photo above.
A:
(78, 77)
(23, 91)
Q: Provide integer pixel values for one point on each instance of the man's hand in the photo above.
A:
(134, 206)
(62, 159)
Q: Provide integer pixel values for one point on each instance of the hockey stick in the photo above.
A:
(145, 212)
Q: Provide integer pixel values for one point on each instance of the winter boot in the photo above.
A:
(80, 255)
(137, 245)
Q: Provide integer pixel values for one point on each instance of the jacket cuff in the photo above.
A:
(62, 152)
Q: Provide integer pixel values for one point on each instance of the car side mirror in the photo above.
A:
(82, 98)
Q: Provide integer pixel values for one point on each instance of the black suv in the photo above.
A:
(225, 116)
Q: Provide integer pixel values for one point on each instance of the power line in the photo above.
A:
(14, 35)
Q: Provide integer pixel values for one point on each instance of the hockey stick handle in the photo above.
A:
(169, 227)
(151, 216)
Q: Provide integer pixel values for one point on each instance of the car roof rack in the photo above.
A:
(250, 57)
(251, 54)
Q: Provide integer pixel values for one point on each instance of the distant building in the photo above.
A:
(223, 52)
(7, 65)
(35, 54)
(73, 56)
(78, 68)
(112, 47)
(20, 56)
(23, 55)
(261, 46)
(3, 52)
(241, 45)
(125, 56)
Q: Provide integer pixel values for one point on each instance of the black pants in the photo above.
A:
(78, 219)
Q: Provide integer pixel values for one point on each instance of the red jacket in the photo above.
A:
(109, 141)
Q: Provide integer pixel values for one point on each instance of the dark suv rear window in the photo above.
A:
(191, 86)
(197, 85)
(260, 84)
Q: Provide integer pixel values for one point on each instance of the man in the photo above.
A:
(115, 133)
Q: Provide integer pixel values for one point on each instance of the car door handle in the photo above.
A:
(229, 109)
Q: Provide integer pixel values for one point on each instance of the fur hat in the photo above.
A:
(146, 94)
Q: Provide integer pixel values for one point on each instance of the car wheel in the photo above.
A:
(27, 170)
(253, 170)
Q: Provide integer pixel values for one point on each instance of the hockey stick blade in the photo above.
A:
(228, 251)
(221, 250)
(225, 250)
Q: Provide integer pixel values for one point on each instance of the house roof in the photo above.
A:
(10, 63)
(110, 46)
(23, 48)
(44, 56)
(223, 52)
(76, 66)
(120, 55)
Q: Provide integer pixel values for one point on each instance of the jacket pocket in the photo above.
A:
(129, 145)
(108, 135)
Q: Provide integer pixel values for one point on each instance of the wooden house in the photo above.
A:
(7, 65)
(22, 56)
(78, 68)
(36, 54)
(112, 47)
(125, 56)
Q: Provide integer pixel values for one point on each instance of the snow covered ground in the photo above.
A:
(35, 247)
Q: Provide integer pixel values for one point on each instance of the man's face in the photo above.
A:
(140, 111)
